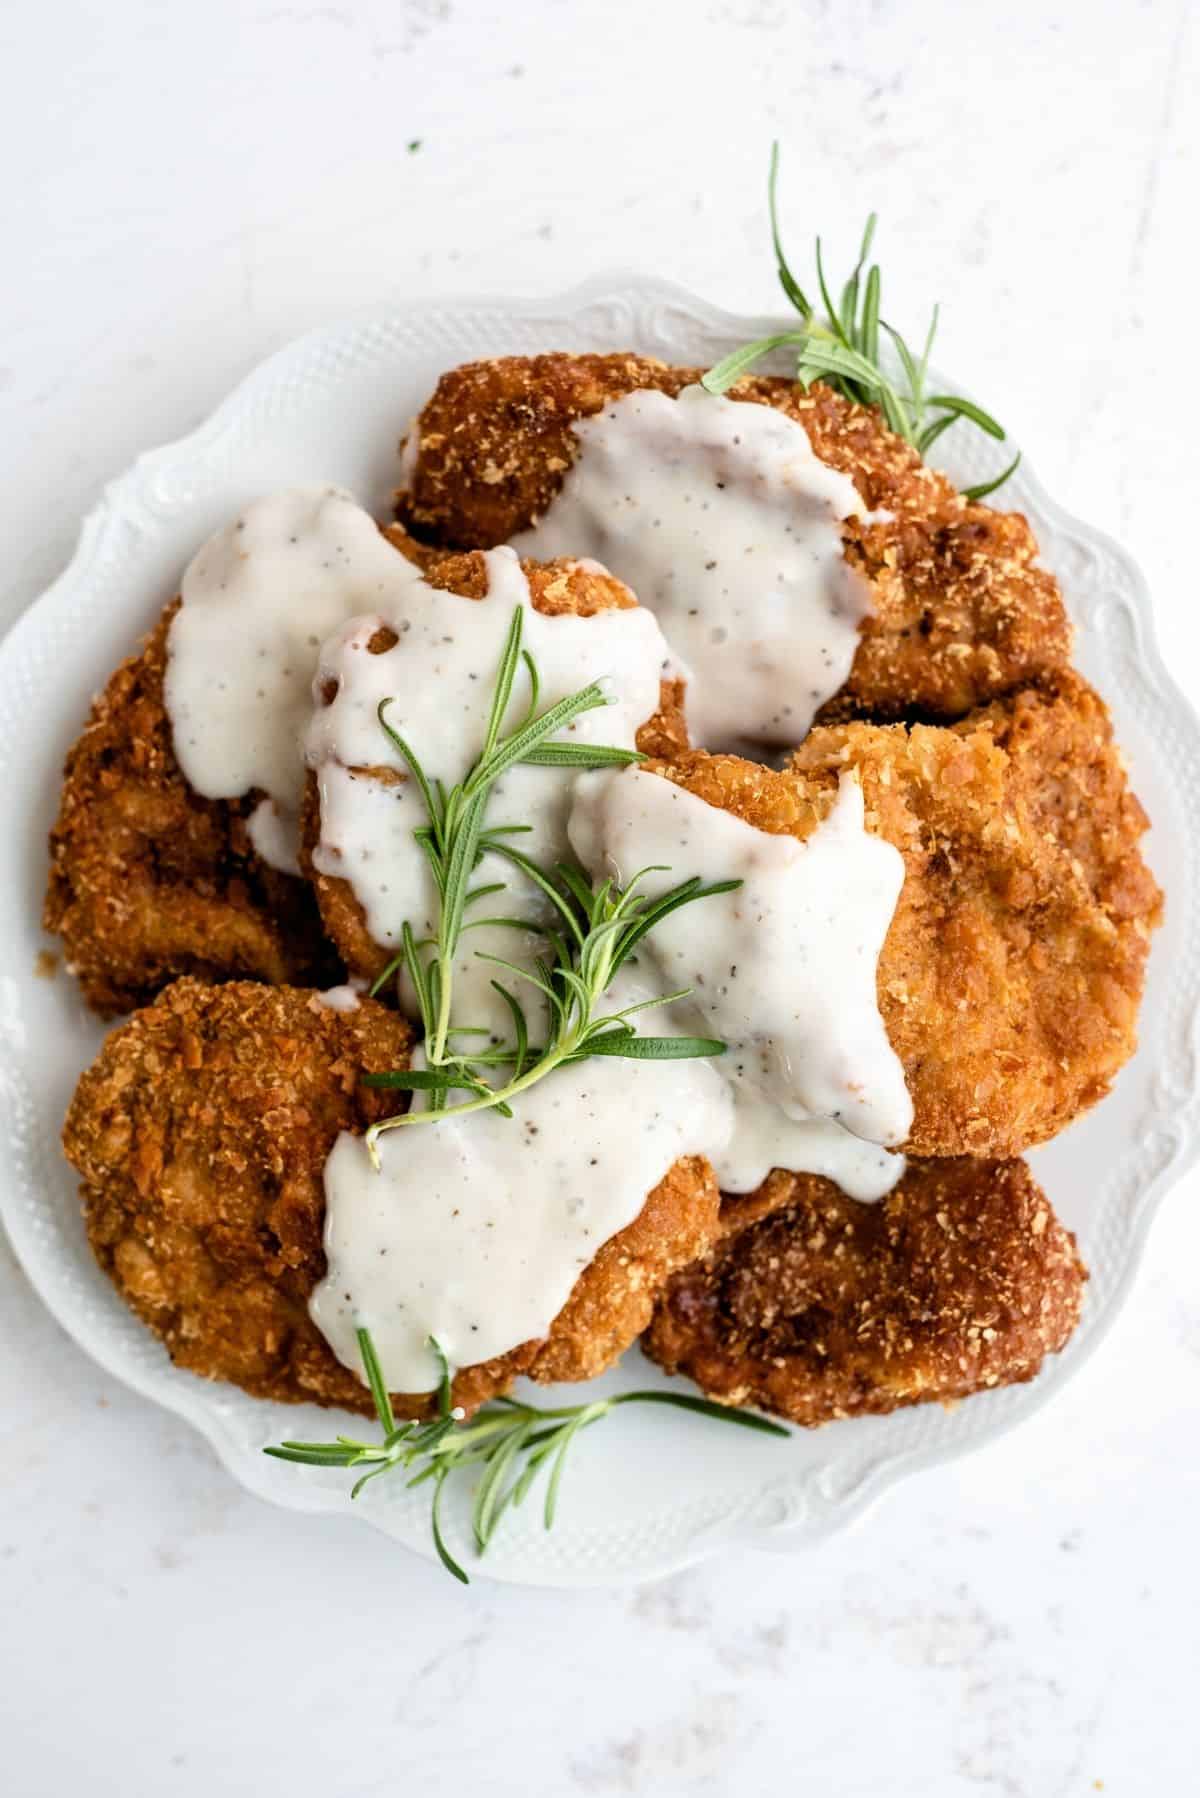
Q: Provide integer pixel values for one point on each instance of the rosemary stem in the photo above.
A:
(562, 1051)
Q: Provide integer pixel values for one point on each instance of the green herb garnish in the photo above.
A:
(841, 347)
(509, 1441)
(593, 933)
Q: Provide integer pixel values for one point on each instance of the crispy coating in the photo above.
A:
(559, 588)
(201, 1134)
(816, 1307)
(961, 611)
(1010, 978)
(147, 879)
(1070, 780)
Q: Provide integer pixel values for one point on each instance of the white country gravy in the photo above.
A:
(258, 601)
(765, 1137)
(727, 525)
(782, 969)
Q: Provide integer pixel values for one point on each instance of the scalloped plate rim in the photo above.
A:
(195, 1406)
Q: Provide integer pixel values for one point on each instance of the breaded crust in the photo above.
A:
(1070, 779)
(148, 880)
(557, 589)
(201, 1134)
(816, 1307)
(1010, 978)
(962, 614)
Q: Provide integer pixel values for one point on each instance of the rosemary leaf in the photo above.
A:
(732, 367)
(987, 487)
(581, 755)
(787, 280)
(705, 1407)
(375, 1380)
(650, 1048)
(961, 408)
(417, 1080)
(439, 1542)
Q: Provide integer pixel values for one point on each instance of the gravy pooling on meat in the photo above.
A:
(727, 527)
(475, 1230)
(782, 969)
(259, 599)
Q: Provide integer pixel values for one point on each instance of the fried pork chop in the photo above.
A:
(817, 1307)
(962, 612)
(1010, 978)
(147, 879)
(150, 881)
(201, 1133)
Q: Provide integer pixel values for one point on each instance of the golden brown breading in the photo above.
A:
(1069, 776)
(817, 1307)
(1010, 978)
(147, 879)
(201, 1133)
(962, 613)
(559, 588)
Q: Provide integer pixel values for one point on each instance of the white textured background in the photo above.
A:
(185, 187)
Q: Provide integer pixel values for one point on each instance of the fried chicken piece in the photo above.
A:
(147, 879)
(557, 589)
(961, 611)
(201, 1134)
(815, 1306)
(1010, 978)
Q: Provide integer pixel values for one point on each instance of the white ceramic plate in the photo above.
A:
(652, 1490)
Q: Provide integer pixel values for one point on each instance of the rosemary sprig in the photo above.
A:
(601, 929)
(510, 1442)
(841, 347)
(454, 838)
(591, 935)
